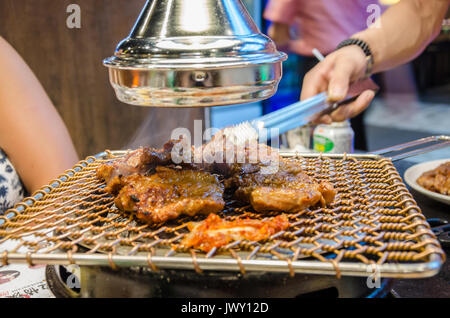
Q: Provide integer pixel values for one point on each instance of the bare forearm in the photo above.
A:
(405, 30)
(31, 131)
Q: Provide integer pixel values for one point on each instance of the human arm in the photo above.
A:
(406, 29)
(32, 133)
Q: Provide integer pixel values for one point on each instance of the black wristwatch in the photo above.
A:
(366, 49)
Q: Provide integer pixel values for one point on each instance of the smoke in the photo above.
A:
(162, 125)
(159, 124)
(146, 135)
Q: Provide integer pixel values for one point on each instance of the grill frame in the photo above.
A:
(236, 264)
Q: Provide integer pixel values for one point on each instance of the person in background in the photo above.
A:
(35, 146)
(300, 26)
(303, 25)
(405, 30)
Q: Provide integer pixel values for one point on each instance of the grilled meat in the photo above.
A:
(437, 180)
(169, 193)
(146, 182)
(216, 232)
(216, 157)
(141, 161)
(265, 180)
(227, 159)
(289, 189)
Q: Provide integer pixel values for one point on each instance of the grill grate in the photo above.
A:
(373, 227)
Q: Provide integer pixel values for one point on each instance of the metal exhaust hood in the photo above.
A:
(194, 53)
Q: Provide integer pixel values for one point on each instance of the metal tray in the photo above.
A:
(374, 227)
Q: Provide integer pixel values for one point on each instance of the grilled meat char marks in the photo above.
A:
(272, 183)
(148, 183)
(141, 161)
(169, 193)
(289, 189)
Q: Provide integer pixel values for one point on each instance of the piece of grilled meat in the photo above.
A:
(289, 189)
(141, 161)
(437, 180)
(168, 193)
(216, 232)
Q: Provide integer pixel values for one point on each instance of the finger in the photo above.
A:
(325, 119)
(340, 79)
(314, 83)
(355, 108)
(362, 103)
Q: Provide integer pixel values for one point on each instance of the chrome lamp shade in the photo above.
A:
(194, 53)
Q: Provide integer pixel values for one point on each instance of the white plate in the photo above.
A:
(414, 172)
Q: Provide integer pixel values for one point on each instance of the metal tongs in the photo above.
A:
(296, 115)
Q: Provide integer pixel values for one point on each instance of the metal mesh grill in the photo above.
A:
(373, 226)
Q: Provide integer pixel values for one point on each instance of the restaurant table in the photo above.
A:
(439, 285)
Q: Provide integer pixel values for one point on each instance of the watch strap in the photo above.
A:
(364, 47)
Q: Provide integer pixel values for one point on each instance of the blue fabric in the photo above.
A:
(11, 188)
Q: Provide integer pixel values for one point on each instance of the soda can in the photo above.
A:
(334, 138)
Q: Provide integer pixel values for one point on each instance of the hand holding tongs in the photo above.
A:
(295, 115)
